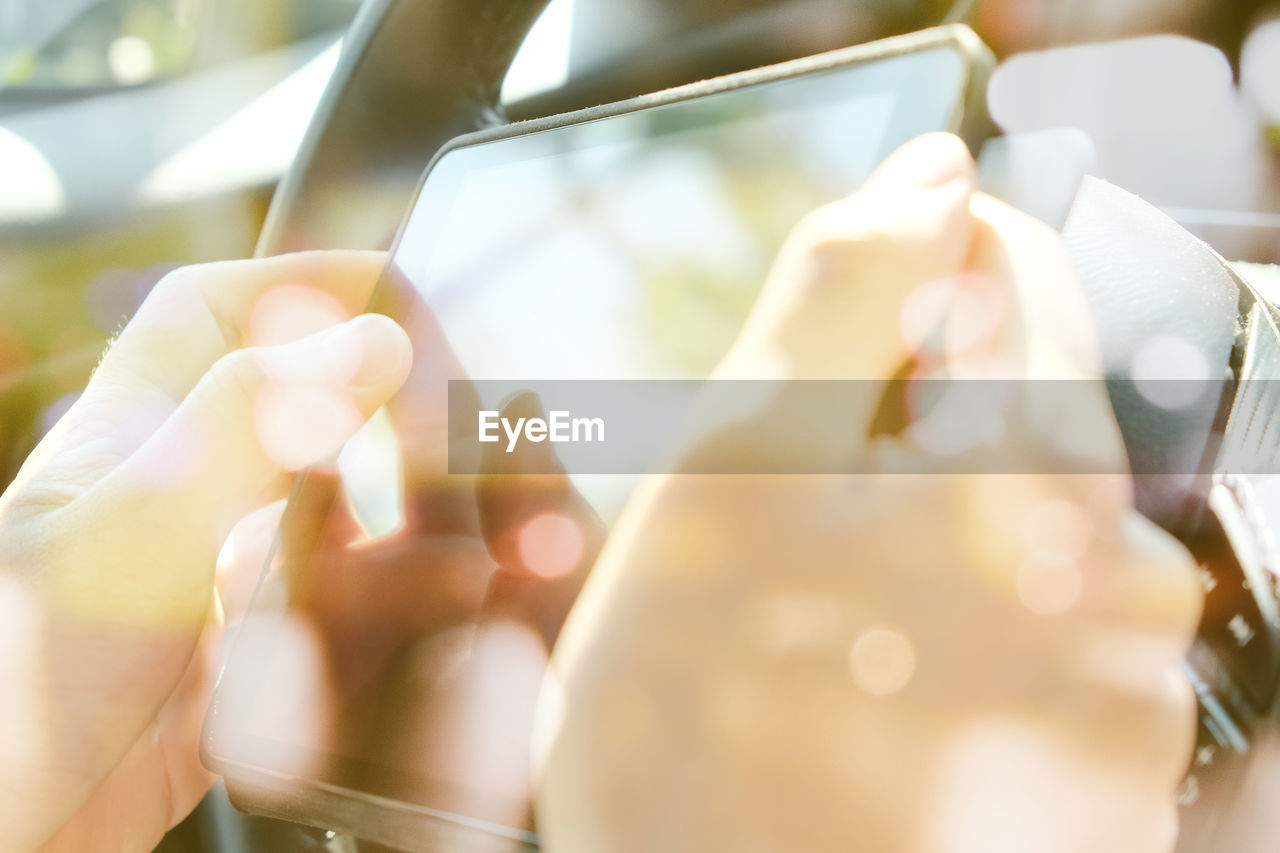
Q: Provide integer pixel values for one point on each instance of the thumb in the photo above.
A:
(256, 414)
(834, 305)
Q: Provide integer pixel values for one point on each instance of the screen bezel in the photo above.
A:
(254, 786)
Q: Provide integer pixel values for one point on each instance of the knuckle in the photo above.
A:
(830, 257)
(852, 242)
(235, 376)
(837, 233)
(207, 287)
(182, 283)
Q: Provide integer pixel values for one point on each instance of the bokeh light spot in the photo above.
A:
(290, 312)
(882, 661)
(1058, 532)
(489, 721)
(796, 621)
(1049, 588)
(131, 60)
(299, 426)
(1170, 372)
(551, 545)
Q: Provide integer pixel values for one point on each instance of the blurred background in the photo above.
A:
(135, 136)
(139, 135)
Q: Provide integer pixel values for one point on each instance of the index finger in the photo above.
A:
(198, 314)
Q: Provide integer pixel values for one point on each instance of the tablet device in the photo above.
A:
(386, 680)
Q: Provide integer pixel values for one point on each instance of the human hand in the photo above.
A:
(440, 621)
(886, 661)
(230, 377)
(443, 626)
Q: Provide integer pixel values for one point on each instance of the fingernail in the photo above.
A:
(384, 350)
(929, 161)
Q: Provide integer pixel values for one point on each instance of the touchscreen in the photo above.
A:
(397, 643)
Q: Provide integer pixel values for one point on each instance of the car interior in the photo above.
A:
(313, 122)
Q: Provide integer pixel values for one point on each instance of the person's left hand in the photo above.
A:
(229, 377)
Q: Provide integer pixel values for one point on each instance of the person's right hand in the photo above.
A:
(890, 662)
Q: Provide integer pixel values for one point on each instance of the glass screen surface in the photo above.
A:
(398, 640)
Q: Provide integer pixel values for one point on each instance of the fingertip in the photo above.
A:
(918, 201)
(307, 398)
(386, 357)
(241, 560)
(927, 162)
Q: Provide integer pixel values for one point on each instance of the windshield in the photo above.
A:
(92, 44)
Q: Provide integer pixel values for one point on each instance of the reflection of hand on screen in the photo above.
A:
(412, 657)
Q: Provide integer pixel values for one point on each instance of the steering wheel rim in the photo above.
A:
(447, 58)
